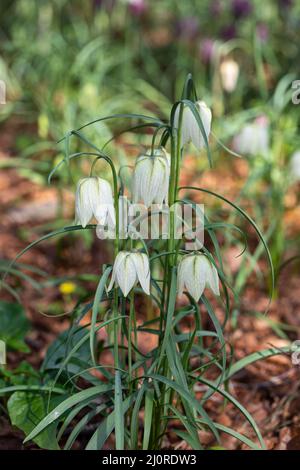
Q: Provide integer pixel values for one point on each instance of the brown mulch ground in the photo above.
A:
(269, 389)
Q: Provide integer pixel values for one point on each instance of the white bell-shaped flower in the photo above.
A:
(94, 198)
(195, 272)
(295, 166)
(190, 130)
(129, 268)
(229, 71)
(254, 138)
(151, 176)
(109, 230)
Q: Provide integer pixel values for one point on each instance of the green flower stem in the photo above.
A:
(116, 251)
(99, 156)
(160, 425)
(131, 321)
(178, 151)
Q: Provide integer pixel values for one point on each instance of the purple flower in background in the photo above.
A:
(285, 3)
(241, 8)
(262, 32)
(206, 50)
(97, 4)
(229, 32)
(137, 7)
(188, 27)
(216, 7)
(107, 4)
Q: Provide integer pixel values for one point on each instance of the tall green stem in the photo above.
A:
(160, 425)
(131, 320)
(116, 250)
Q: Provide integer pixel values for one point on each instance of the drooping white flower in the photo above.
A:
(254, 138)
(129, 268)
(94, 199)
(195, 272)
(295, 166)
(229, 71)
(190, 130)
(109, 229)
(151, 176)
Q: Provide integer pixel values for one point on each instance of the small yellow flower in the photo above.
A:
(67, 288)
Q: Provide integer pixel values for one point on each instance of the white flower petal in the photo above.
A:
(141, 263)
(180, 278)
(93, 196)
(190, 130)
(151, 178)
(118, 262)
(83, 209)
(195, 131)
(185, 130)
(195, 272)
(126, 275)
(212, 278)
(195, 279)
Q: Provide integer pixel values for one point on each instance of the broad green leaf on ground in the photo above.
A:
(26, 410)
(14, 326)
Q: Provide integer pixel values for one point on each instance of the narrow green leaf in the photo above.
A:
(238, 405)
(81, 425)
(119, 413)
(55, 414)
(190, 398)
(257, 356)
(97, 300)
(107, 426)
(170, 312)
(134, 425)
(148, 417)
(249, 219)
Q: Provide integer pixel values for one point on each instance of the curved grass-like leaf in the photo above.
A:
(80, 343)
(189, 397)
(107, 426)
(31, 388)
(149, 397)
(97, 300)
(91, 393)
(235, 434)
(170, 312)
(113, 116)
(55, 233)
(250, 220)
(189, 435)
(134, 424)
(119, 413)
(257, 356)
(238, 405)
(81, 424)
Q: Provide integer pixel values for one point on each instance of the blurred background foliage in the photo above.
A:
(67, 63)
